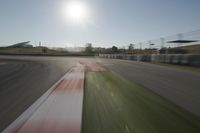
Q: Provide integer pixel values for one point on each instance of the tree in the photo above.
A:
(88, 48)
(44, 50)
(114, 49)
(131, 47)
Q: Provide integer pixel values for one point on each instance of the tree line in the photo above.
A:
(89, 49)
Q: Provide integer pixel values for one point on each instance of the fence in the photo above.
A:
(181, 59)
(190, 38)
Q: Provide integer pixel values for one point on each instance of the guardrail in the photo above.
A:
(180, 59)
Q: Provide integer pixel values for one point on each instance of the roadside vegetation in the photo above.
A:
(89, 49)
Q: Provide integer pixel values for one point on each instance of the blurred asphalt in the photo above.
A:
(25, 78)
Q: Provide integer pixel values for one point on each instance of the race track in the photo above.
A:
(23, 79)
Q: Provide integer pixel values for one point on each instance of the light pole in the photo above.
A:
(162, 42)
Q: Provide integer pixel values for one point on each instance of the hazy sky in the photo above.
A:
(109, 22)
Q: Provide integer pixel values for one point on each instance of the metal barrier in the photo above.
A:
(180, 59)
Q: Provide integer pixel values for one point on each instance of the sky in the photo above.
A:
(108, 22)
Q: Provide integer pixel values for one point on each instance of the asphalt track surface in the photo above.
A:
(23, 79)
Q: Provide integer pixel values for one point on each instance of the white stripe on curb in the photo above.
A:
(58, 110)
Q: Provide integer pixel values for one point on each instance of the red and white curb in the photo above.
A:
(93, 67)
(59, 110)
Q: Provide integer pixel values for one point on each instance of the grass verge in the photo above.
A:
(113, 104)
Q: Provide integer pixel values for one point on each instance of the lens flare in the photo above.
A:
(76, 11)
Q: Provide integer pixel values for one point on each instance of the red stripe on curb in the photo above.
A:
(70, 85)
(78, 69)
(93, 67)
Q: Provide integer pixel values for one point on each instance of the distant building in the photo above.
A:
(21, 45)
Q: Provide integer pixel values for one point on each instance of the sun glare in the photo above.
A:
(76, 11)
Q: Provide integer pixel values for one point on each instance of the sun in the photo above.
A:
(76, 11)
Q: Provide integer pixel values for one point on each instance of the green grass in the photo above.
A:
(113, 104)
